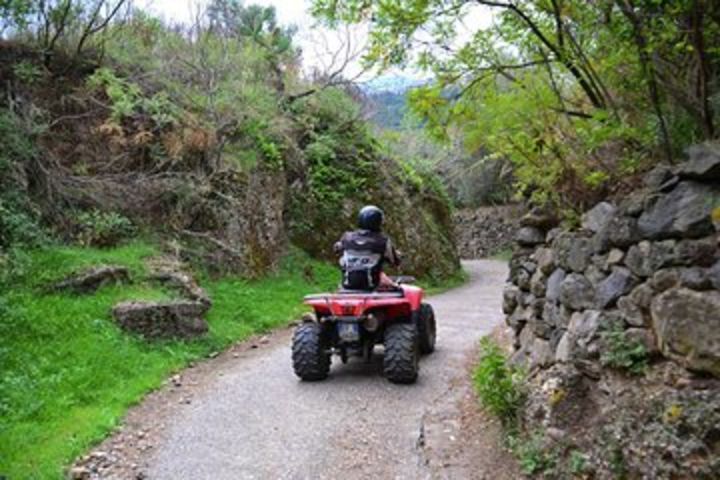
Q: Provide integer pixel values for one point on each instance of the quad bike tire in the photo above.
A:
(427, 330)
(310, 358)
(401, 362)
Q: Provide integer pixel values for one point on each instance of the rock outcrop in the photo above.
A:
(92, 279)
(162, 320)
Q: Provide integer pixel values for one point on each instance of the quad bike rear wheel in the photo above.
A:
(427, 331)
(311, 360)
(401, 362)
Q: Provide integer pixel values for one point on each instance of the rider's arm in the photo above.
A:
(391, 255)
(337, 247)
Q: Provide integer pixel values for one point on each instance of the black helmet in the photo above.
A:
(370, 218)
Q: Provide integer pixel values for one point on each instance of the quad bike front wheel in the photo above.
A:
(311, 360)
(401, 362)
(427, 330)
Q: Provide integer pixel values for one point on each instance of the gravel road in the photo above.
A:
(255, 420)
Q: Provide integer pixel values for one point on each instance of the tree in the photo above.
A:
(576, 94)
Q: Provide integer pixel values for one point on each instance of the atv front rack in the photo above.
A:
(355, 294)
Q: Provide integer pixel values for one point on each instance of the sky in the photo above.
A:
(317, 43)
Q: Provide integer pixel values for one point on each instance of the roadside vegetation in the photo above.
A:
(69, 372)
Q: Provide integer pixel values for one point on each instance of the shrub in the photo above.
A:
(622, 352)
(499, 385)
(533, 457)
(103, 229)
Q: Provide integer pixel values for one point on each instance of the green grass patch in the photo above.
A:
(68, 374)
(505, 255)
(435, 287)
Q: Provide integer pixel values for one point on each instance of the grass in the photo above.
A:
(68, 374)
(435, 287)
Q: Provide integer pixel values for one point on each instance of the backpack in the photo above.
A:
(362, 259)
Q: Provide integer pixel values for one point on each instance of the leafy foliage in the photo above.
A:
(19, 220)
(622, 352)
(499, 385)
(103, 229)
(577, 95)
(533, 456)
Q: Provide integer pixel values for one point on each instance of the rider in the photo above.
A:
(365, 251)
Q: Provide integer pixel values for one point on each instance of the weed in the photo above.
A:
(577, 463)
(499, 385)
(622, 352)
(533, 457)
(103, 229)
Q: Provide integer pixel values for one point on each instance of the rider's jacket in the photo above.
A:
(363, 255)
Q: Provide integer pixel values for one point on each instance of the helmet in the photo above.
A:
(370, 218)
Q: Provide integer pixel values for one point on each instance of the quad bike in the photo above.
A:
(351, 322)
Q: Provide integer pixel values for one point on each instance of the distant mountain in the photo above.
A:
(392, 83)
(386, 97)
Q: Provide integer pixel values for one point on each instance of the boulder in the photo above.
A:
(564, 348)
(714, 275)
(572, 251)
(541, 355)
(619, 283)
(580, 342)
(530, 236)
(540, 219)
(584, 325)
(702, 252)
(552, 288)
(511, 294)
(659, 178)
(645, 258)
(541, 327)
(623, 231)
(687, 327)
(631, 313)
(598, 217)
(643, 336)
(685, 212)
(703, 164)
(620, 231)
(614, 257)
(522, 279)
(595, 275)
(633, 204)
(161, 320)
(576, 292)
(538, 283)
(556, 315)
(695, 278)
(524, 342)
(183, 282)
(92, 279)
(519, 317)
(545, 259)
(642, 295)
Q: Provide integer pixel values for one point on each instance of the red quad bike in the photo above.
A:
(351, 322)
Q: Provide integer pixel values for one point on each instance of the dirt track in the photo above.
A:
(246, 416)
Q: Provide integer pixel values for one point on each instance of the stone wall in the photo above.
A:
(649, 263)
(646, 267)
(486, 231)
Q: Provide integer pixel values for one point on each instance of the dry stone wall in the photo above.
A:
(486, 231)
(649, 263)
(645, 268)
